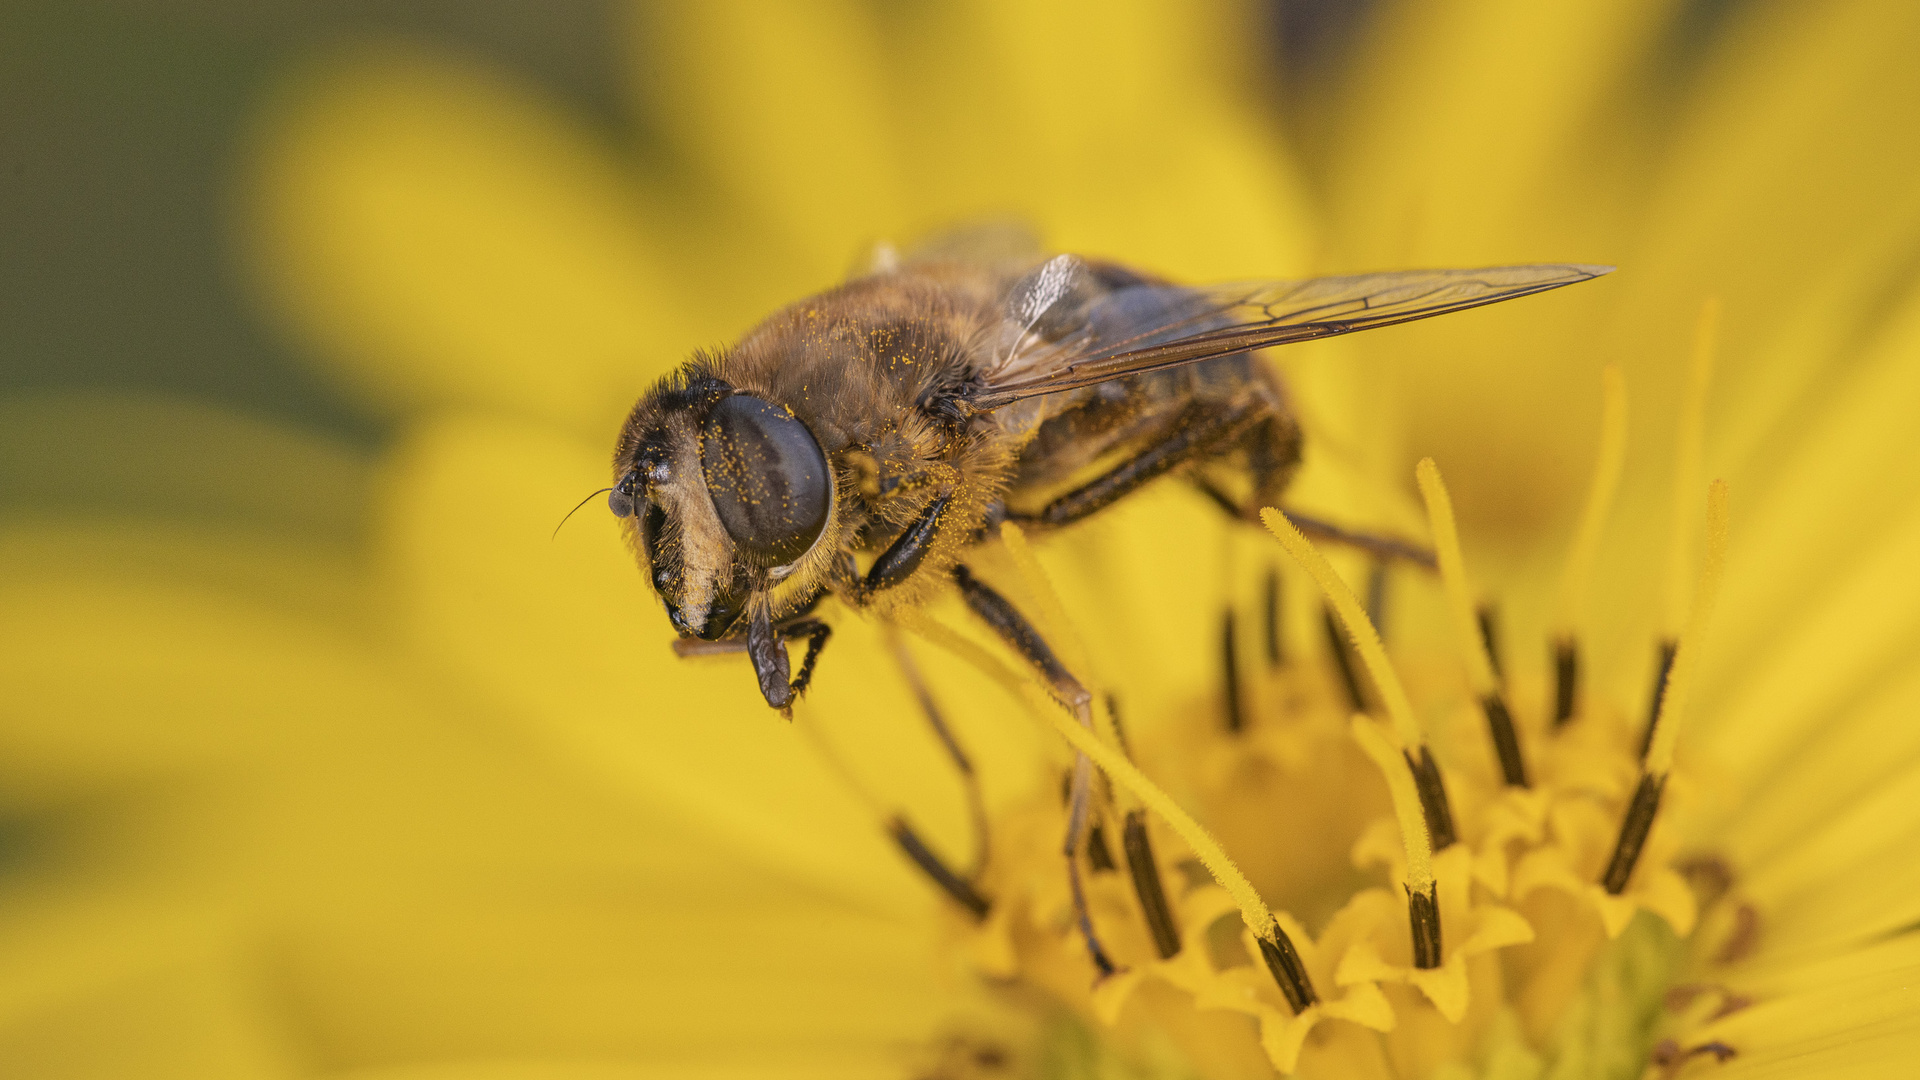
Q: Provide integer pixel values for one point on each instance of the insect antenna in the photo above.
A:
(575, 510)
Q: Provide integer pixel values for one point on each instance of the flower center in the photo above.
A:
(1465, 871)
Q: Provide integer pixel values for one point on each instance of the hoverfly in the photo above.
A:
(858, 442)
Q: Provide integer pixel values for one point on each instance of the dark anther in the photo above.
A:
(1710, 875)
(1433, 798)
(1490, 637)
(1669, 648)
(1633, 832)
(1230, 667)
(1146, 885)
(1423, 909)
(959, 888)
(1283, 961)
(1275, 653)
(1099, 856)
(1343, 658)
(1668, 1056)
(1566, 679)
(1119, 729)
(1505, 742)
(1744, 936)
(1377, 598)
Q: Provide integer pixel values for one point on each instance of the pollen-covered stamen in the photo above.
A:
(1423, 898)
(1125, 775)
(1658, 761)
(1373, 654)
(1473, 647)
(1576, 578)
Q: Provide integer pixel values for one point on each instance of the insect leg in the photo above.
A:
(1198, 430)
(1387, 547)
(1014, 629)
(903, 556)
(976, 803)
(765, 646)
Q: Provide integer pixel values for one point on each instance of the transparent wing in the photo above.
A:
(1113, 332)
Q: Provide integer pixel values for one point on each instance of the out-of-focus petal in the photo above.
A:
(1465, 121)
(1118, 128)
(440, 236)
(566, 635)
(783, 107)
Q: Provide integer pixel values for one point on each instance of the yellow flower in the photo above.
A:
(493, 827)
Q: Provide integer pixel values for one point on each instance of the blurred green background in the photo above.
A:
(121, 128)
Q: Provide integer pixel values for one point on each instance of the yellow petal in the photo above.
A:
(439, 236)
(783, 107)
(564, 636)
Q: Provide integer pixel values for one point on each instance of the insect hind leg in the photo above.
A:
(962, 763)
(1021, 635)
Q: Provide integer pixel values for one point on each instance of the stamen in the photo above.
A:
(1473, 648)
(1423, 901)
(1283, 963)
(1566, 679)
(1663, 667)
(1146, 884)
(1489, 622)
(1343, 658)
(1230, 669)
(1666, 725)
(1377, 597)
(1574, 580)
(1633, 831)
(1666, 728)
(1374, 656)
(1689, 452)
(1253, 910)
(1276, 654)
(1099, 855)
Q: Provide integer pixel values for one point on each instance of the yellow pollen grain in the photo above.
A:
(1366, 640)
(1406, 801)
(1578, 574)
(1666, 727)
(1453, 577)
(1253, 910)
(1688, 453)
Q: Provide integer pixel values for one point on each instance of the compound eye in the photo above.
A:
(768, 479)
(620, 499)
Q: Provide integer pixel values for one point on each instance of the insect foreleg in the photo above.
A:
(904, 555)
